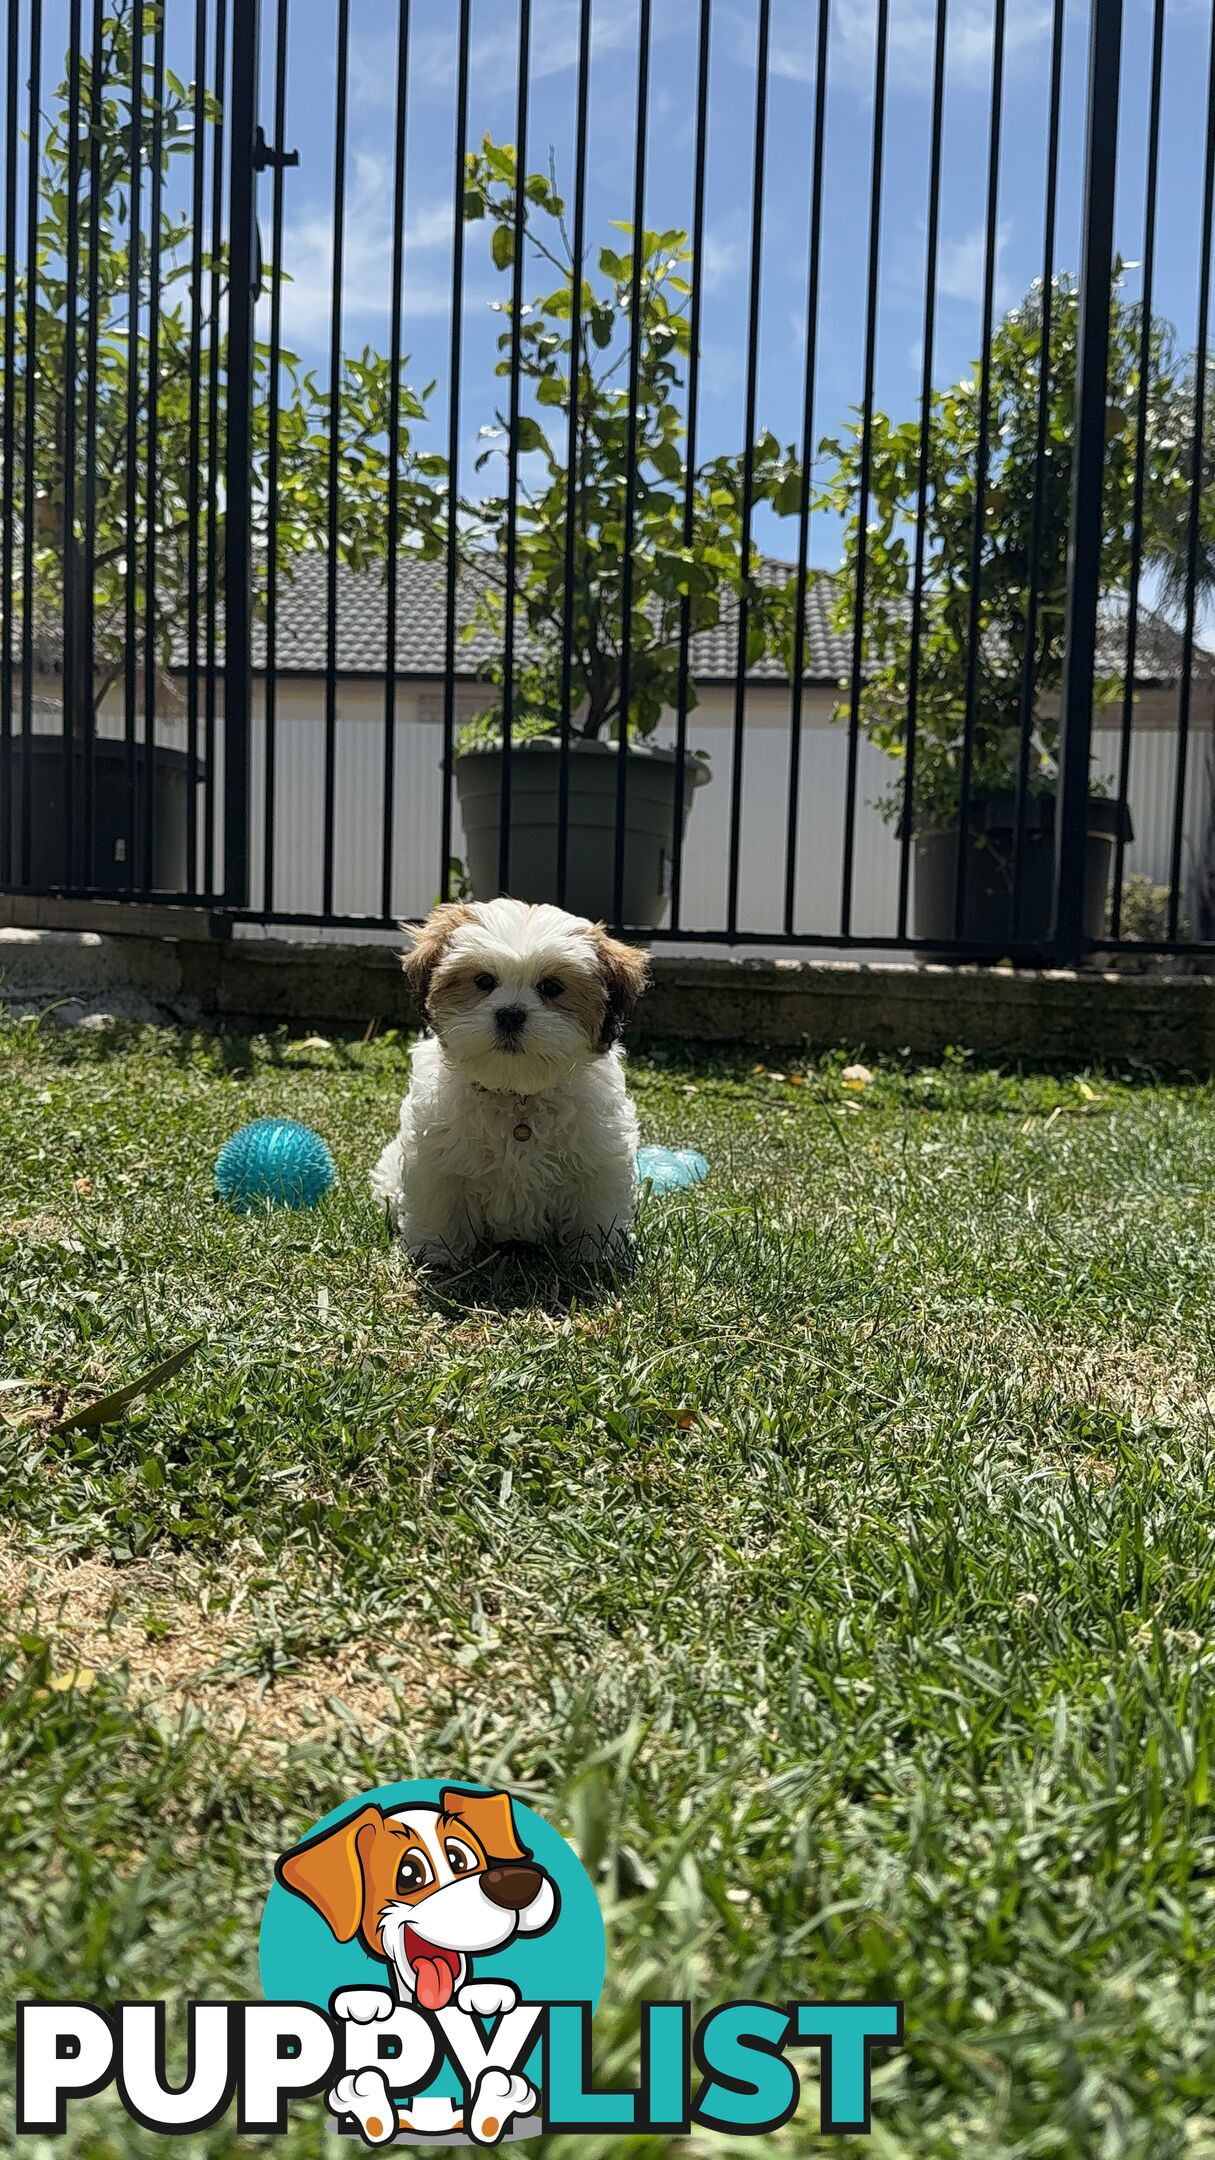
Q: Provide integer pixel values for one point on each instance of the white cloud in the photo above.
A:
(911, 40)
(553, 43)
(493, 55)
(723, 253)
(366, 258)
(372, 65)
(961, 264)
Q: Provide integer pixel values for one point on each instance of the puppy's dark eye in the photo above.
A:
(485, 982)
(459, 1859)
(550, 987)
(412, 1874)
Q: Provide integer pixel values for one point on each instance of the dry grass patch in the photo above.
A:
(206, 1650)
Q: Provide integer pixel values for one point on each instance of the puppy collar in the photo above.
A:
(521, 1130)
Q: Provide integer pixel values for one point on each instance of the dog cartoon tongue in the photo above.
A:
(434, 1971)
(432, 1978)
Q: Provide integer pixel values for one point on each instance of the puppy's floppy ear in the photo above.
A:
(625, 971)
(490, 1818)
(429, 942)
(327, 1871)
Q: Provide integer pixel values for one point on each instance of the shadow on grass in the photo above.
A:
(521, 1278)
(235, 1051)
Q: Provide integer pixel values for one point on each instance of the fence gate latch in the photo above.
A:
(265, 154)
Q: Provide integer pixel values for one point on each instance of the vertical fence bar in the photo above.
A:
(335, 446)
(72, 652)
(928, 336)
(1084, 540)
(194, 424)
(1143, 404)
(974, 627)
(797, 687)
(630, 477)
(238, 462)
(96, 106)
(1029, 668)
(147, 858)
(131, 522)
(8, 444)
(388, 777)
(270, 706)
(29, 439)
(744, 613)
(512, 449)
(1193, 521)
(572, 452)
(453, 454)
(213, 436)
(693, 414)
(858, 626)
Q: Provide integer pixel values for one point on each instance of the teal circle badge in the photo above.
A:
(447, 1898)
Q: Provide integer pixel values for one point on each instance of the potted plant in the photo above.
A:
(1019, 561)
(590, 483)
(108, 518)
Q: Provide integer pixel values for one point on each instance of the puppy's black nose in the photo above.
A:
(510, 1018)
(512, 1886)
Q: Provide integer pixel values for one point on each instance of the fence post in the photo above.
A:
(1085, 532)
(244, 273)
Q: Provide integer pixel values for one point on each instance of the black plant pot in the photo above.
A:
(988, 913)
(535, 774)
(118, 815)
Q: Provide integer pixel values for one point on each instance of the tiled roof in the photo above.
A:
(302, 639)
(360, 643)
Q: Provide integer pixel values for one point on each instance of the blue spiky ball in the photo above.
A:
(666, 1169)
(274, 1159)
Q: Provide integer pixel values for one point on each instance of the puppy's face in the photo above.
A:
(521, 996)
(425, 1888)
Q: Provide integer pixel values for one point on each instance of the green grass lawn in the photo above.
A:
(840, 1584)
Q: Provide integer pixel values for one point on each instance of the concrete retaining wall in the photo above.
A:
(1166, 1021)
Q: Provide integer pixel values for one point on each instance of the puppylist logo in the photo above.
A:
(431, 1956)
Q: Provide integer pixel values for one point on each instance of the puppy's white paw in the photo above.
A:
(487, 1998)
(365, 2095)
(363, 2006)
(498, 2097)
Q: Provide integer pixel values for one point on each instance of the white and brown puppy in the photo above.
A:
(517, 1124)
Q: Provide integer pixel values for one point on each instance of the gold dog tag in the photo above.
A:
(523, 1132)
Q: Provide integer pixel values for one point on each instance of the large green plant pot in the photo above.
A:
(988, 915)
(649, 825)
(119, 816)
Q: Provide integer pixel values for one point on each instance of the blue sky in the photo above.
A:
(427, 284)
(839, 348)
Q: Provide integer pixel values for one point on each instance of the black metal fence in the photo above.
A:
(404, 513)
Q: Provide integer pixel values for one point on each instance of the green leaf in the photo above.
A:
(787, 500)
(108, 1407)
(502, 246)
(529, 435)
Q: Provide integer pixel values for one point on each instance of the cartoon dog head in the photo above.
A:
(425, 1887)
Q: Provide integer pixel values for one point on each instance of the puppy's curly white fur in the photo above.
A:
(517, 1124)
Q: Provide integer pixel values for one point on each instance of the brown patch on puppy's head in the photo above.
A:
(428, 943)
(624, 971)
